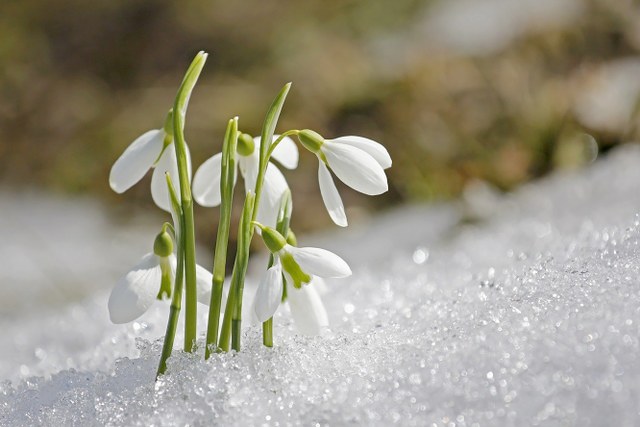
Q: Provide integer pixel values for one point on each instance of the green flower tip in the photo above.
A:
(271, 237)
(163, 245)
(311, 140)
(245, 145)
(201, 57)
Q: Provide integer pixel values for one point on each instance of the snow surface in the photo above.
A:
(527, 313)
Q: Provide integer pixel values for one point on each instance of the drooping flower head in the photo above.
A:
(358, 162)
(299, 267)
(151, 279)
(153, 149)
(206, 182)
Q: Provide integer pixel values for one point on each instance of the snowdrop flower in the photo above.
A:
(152, 278)
(206, 182)
(358, 162)
(153, 149)
(299, 266)
(306, 307)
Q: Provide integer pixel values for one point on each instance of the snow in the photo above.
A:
(528, 314)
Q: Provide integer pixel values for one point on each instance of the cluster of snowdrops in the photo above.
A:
(293, 273)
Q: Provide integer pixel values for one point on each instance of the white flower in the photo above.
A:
(358, 162)
(152, 149)
(305, 304)
(299, 266)
(136, 291)
(206, 182)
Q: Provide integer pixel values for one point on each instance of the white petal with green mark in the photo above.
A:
(319, 262)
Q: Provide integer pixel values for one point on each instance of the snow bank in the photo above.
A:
(530, 317)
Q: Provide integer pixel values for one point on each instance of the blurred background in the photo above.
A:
(461, 92)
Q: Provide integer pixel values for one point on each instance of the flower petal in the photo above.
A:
(206, 182)
(248, 166)
(373, 148)
(136, 160)
(136, 291)
(331, 197)
(167, 163)
(356, 168)
(307, 310)
(319, 262)
(286, 153)
(269, 293)
(203, 284)
(272, 190)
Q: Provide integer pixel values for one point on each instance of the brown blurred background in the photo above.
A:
(501, 91)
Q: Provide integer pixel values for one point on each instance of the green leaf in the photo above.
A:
(270, 122)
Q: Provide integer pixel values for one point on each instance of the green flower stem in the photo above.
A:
(219, 261)
(231, 323)
(282, 226)
(180, 109)
(225, 332)
(279, 140)
(176, 298)
(267, 333)
(243, 261)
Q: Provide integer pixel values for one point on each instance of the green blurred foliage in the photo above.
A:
(80, 80)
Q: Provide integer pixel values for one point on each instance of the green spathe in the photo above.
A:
(311, 140)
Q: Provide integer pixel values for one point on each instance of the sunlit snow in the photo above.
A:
(529, 316)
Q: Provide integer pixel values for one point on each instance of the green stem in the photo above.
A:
(179, 112)
(243, 261)
(279, 140)
(176, 298)
(219, 261)
(225, 332)
(231, 322)
(267, 333)
(172, 324)
(233, 310)
(282, 226)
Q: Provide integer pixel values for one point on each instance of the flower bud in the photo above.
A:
(311, 140)
(163, 245)
(245, 145)
(272, 239)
